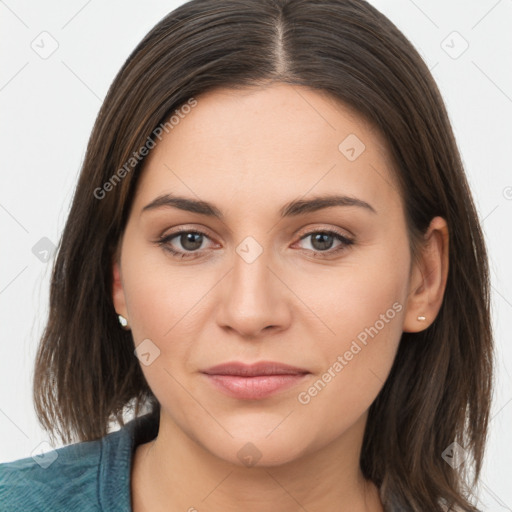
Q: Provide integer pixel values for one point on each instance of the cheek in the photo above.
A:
(363, 306)
(362, 298)
(162, 297)
(367, 320)
(164, 307)
(357, 362)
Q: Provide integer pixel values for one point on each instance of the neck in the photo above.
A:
(173, 472)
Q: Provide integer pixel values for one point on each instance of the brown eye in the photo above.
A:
(190, 241)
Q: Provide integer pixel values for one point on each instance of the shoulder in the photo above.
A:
(61, 479)
(90, 475)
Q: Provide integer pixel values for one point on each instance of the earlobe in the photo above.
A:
(429, 278)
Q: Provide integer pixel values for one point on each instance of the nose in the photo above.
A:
(254, 298)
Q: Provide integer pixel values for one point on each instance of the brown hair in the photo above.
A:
(439, 389)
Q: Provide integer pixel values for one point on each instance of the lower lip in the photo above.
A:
(254, 388)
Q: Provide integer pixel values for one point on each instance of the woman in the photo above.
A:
(273, 252)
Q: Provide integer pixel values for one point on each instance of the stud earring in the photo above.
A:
(123, 322)
(422, 318)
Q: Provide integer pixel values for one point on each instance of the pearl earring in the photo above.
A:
(421, 318)
(123, 322)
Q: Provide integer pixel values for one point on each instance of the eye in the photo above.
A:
(322, 241)
(190, 240)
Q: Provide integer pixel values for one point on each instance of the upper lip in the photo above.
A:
(252, 370)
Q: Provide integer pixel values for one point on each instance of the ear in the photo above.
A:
(118, 296)
(428, 278)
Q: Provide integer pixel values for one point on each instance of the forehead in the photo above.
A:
(259, 146)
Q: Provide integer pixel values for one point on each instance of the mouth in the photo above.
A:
(254, 381)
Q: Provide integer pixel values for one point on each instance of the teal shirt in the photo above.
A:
(86, 476)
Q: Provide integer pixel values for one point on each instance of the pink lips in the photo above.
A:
(255, 381)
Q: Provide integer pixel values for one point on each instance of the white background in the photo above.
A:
(48, 109)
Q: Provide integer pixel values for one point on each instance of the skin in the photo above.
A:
(249, 153)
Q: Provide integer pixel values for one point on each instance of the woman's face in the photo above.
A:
(272, 277)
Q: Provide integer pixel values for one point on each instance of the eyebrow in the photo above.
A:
(291, 209)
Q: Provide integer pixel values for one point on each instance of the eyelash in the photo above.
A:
(164, 243)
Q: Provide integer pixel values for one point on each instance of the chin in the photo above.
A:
(250, 452)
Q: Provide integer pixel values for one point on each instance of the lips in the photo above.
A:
(253, 370)
(254, 381)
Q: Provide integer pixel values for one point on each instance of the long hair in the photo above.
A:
(439, 389)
